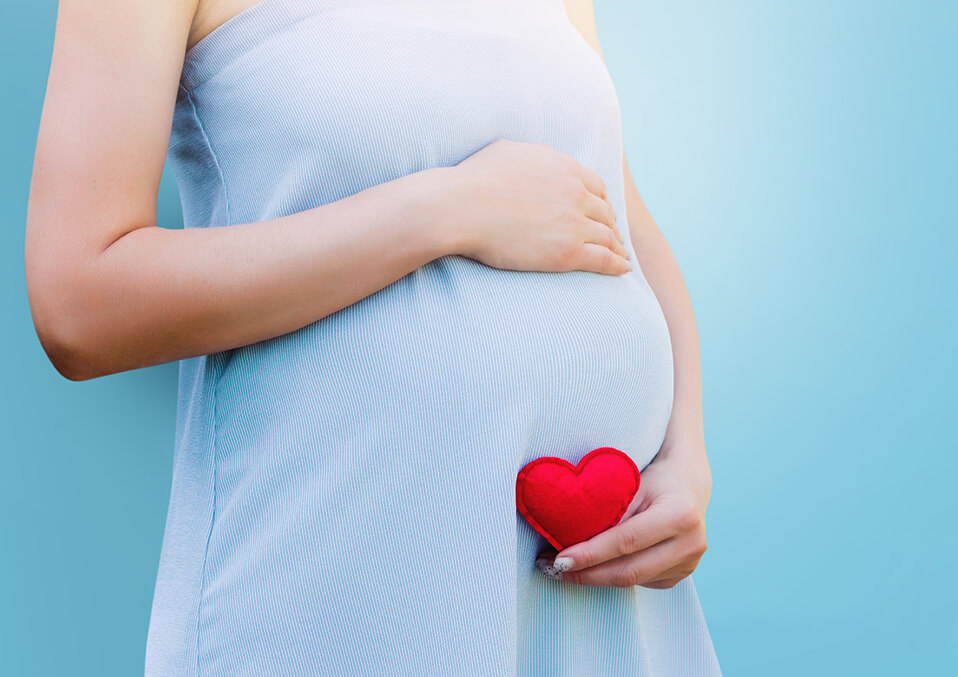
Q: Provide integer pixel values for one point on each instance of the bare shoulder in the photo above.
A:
(582, 16)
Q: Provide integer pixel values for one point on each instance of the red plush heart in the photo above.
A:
(569, 504)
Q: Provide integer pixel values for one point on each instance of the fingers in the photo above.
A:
(656, 548)
(601, 211)
(600, 259)
(669, 578)
(593, 181)
(600, 233)
(596, 186)
(691, 553)
(661, 566)
(634, 569)
(642, 530)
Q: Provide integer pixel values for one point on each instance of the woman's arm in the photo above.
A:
(685, 436)
(111, 291)
(661, 538)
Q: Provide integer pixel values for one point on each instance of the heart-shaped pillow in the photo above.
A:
(569, 503)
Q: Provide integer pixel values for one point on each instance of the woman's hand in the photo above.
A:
(660, 538)
(526, 206)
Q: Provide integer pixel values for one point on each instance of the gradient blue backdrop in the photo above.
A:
(801, 159)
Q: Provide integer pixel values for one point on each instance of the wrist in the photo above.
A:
(683, 443)
(437, 204)
(688, 454)
(684, 429)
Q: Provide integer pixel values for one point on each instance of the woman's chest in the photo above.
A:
(330, 97)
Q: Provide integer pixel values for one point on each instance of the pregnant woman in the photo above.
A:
(414, 260)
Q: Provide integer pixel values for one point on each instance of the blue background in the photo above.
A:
(801, 159)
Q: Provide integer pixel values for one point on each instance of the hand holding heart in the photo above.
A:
(658, 540)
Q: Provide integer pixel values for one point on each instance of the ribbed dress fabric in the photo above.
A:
(343, 495)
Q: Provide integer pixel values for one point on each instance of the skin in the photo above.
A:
(110, 290)
(661, 538)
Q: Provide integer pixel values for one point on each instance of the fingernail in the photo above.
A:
(562, 563)
(553, 574)
(544, 565)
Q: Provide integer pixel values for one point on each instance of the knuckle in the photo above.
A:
(701, 546)
(696, 548)
(688, 517)
(583, 560)
(627, 578)
(607, 238)
(579, 193)
(609, 260)
(626, 541)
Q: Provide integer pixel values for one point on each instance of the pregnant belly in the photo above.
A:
(393, 430)
(457, 369)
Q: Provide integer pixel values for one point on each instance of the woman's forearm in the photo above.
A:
(661, 269)
(157, 295)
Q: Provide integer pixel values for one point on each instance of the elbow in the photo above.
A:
(69, 358)
(66, 295)
(58, 319)
(67, 352)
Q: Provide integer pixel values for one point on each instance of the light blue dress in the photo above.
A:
(343, 496)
